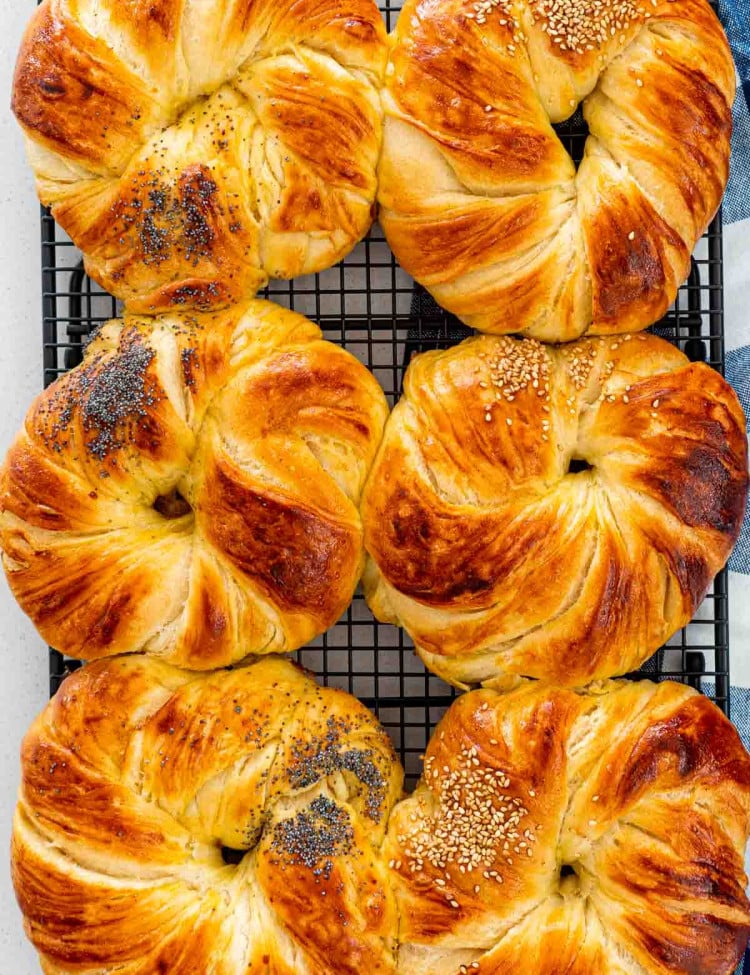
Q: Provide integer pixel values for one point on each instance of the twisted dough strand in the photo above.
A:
(482, 204)
(137, 774)
(192, 488)
(497, 559)
(192, 150)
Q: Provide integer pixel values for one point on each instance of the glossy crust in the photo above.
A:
(192, 150)
(618, 817)
(135, 776)
(192, 488)
(481, 202)
(497, 559)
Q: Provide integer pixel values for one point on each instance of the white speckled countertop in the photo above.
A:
(23, 668)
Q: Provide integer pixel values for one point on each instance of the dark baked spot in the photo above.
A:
(625, 271)
(432, 554)
(52, 86)
(59, 61)
(162, 14)
(106, 627)
(703, 487)
(718, 949)
(694, 741)
(296, 554)
(216, 621)
(712, 877)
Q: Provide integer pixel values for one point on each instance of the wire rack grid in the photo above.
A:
(373, 309)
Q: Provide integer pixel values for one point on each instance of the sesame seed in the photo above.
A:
(631, 235)
(579, 358)
(471, 823)
(583, 27)
(511, 367)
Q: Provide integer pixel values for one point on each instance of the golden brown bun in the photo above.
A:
(497, 560)
(481, 202)
(134, 777)
(193, 149)
(267, 432)
(640, 791)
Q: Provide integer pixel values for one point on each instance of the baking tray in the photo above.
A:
(373, 309)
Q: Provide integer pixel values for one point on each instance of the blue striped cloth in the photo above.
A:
(738, 374)
(735, 15)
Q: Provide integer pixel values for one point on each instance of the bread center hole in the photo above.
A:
(577, 465)
(232, 857)
(573, 883)
(573, 133)
(172, 505)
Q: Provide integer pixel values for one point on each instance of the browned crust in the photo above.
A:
(483, 548)
(642, 790)
(173, 200)
(301, 559)
(266, 433)
(111, 866)
(466, 133)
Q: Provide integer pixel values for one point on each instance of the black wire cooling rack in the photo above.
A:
(373, 309)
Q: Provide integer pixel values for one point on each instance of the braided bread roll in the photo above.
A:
(192, 488)
(498, 557)
(193, 149)
(590, 832)
(135, 776)
(481, 202)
